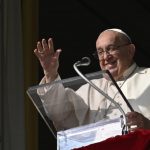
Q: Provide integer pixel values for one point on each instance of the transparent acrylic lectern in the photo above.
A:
(51, 101)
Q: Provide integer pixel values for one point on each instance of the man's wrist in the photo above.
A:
(50, 78)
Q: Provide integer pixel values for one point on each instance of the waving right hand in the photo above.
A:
(49, 59)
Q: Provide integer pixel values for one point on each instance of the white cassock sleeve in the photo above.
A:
(62, 105)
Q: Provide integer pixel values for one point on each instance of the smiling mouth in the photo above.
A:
(111, 64)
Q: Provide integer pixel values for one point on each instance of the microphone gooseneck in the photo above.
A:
(85, 61)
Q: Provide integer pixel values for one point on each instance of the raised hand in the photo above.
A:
(49, 58)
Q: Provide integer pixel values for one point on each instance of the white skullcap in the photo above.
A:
(120, 31)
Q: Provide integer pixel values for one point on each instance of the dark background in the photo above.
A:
(75, 25)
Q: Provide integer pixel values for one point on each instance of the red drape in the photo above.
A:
(137, 140)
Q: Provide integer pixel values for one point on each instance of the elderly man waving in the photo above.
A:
(68, 108)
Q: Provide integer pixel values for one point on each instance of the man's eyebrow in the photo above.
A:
(111, 45)
(99, 48)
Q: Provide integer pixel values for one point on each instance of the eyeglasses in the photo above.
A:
(111, 49)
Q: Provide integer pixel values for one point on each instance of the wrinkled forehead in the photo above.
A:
(107, 38)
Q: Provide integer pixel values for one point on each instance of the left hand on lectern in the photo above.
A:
(136, 120)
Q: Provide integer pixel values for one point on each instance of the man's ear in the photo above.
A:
(131, 50)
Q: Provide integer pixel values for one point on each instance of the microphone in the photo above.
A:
(85, 61)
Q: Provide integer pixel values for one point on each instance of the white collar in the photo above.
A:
(129, 71)
(126, 73)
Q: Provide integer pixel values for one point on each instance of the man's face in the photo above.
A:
(119, 55)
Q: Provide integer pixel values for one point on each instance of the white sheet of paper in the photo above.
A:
(88, 134)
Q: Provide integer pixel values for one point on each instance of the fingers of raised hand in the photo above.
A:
(38, 54)
(44, 48)
(48, 47)
(51, 45)
(40, 49)
(45, 51)
(57, 53)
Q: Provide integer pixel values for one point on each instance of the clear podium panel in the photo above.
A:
(44, 96)
(64, 106)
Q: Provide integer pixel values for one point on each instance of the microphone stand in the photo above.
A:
(85, 61)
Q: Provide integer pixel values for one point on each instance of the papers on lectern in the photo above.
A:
(88, 134)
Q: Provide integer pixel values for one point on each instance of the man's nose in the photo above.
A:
(106, 54)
